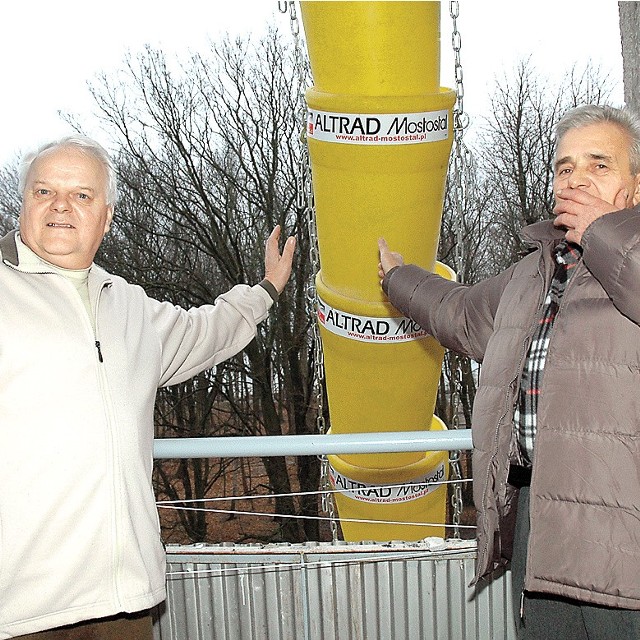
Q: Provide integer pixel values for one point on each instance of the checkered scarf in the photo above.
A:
(526, 410)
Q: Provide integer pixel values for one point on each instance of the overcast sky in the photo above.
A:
(49, 52)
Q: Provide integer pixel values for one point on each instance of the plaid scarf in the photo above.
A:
(526, 410)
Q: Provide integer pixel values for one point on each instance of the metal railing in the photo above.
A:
(312, 445)
(275, 591)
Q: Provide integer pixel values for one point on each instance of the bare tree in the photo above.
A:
(462, 245)
(208, 156)
(517, 148)
(9, 198)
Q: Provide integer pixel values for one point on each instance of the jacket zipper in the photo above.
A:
(541, 300)
(96, 333)
(117, 551)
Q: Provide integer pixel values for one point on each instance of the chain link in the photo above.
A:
(458, 164)
(460, 120)
(460, 156)
(290, 7)
(454, 456)
(305, 202)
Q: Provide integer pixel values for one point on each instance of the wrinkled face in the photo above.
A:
(64, 213)
(596, 158)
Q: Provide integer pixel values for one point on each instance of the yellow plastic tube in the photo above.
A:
(380, 134)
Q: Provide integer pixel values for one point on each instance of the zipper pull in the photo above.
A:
(522, 605)
(100, 358)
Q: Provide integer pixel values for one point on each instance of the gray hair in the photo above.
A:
(625, 118)
(86, 145)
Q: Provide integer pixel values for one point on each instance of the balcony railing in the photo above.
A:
(313, 445)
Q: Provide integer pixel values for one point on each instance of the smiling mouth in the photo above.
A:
(59, 225)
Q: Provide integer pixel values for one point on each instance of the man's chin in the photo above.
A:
(60, 255)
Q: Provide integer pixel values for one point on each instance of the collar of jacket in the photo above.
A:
(542, 231)
(9, 249)
(9, 255)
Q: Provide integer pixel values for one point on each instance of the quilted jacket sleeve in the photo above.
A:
(459, 316)
(612, 253)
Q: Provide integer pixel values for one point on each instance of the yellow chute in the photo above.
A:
(380, 135)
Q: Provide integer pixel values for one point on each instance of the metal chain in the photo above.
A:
(306, 203)
(290, 8)
(460, 156)
(461, 119)
(454, 456)
(457, 172)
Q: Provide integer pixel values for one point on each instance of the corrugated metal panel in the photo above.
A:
(339, 591)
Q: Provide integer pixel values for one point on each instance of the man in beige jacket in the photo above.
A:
(82, 353)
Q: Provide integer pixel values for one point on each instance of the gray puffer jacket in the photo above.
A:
(585, 489)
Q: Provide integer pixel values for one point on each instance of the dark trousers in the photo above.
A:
(136, 626)
(552, 618)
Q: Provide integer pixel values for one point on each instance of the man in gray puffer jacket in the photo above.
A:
(556, 420)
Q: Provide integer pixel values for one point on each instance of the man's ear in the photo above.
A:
(109, 219)
(636, 192)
